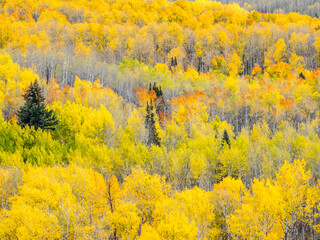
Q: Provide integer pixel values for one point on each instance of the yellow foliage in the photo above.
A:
(259, 217)
(298, 196)
(234, 65)
(52, 201)
(280, 49)
(256, 70)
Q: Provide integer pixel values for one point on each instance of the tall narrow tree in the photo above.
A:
(159, 103)
(34, 112)
(152, 134)
(226, 139)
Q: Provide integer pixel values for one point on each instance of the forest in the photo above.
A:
(309, 7)
(159, 120)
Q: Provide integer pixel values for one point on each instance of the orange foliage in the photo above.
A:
(188, 97)
(54, 92)
(144, 95)
(287, 103)
(279, 70)
(188, 105)
(256, 70)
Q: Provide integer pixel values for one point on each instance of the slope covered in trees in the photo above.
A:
(176, 120)
(309, 7)
(62, 39)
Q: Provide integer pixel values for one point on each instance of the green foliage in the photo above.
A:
(152, 137)
(225, 139)
(33, 112)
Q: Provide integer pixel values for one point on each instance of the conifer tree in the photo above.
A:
(152, 134)
(225, 138)
(34, 112)
(301, 75)
(173, 63)
(159, 101)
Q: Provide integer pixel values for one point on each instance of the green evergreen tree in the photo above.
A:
(175, 61)
(225, 138)
(147, 119)
(152, 134)
(34, 112)
(171, 64)
(159, 101)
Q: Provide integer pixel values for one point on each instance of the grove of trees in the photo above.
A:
(158, 120)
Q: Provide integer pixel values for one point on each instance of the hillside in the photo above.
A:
(175, 120)
(308, 7)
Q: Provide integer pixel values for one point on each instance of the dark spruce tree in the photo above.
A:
(152, 134)
(173, 63)
(159, 102)
(34, 112)
(301, 75)
(225, 138)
